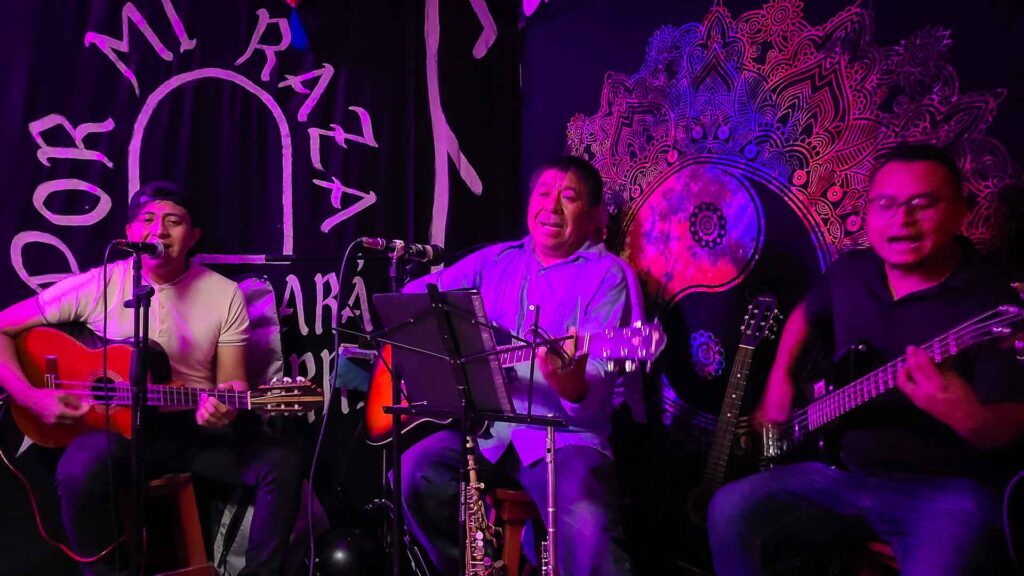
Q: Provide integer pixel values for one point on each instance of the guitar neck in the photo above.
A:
(832, 406)
(714, 470)
(513, 354)
(189, 397)
(161, 395)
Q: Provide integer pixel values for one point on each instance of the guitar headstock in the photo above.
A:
(632, 344)
(287, 396)
(761, 321)
(1002, 323)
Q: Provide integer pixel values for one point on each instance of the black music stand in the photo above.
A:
(445, 339)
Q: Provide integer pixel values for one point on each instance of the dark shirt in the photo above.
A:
(889, 434)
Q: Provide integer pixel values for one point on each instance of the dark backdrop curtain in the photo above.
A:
(650, 88)
(224, 136)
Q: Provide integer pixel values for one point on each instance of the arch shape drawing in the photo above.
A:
(135, 151)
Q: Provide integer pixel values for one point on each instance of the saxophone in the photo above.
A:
(479, 530)
(545, 559)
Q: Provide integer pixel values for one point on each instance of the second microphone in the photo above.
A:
(432, 254)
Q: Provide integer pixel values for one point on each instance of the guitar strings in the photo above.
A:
(971, 332)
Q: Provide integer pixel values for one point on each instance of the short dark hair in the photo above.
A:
(922, 152)
(166, 191)
(579, 168)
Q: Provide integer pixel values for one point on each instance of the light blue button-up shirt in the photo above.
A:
(589, 290)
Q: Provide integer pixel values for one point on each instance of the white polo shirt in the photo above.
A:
(189, 317)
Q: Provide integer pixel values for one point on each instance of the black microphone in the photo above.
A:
(432, 254)
(154, 249)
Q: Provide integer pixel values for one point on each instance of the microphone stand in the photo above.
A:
(396, 274)
(142, 295)
(549, 549)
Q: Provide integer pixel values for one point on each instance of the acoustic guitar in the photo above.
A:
(53, 359)
(761, 322)
(630, 345)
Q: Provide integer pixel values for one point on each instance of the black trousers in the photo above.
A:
(96, 466)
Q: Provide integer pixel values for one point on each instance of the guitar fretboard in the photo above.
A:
(880, 381)
(714, 470)
(119, 394)
(513, 356)
(189, 397)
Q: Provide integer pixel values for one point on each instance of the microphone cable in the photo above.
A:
(328, 395)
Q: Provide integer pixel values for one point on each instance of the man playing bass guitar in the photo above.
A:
(920, 466)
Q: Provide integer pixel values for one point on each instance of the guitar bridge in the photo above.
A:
(50, 377)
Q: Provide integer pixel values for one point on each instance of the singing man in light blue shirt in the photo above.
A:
(578, 285)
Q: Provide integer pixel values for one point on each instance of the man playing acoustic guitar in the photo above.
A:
(919, 466)
(199, 319)
(577, 283)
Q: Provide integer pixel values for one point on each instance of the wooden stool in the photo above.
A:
(184, 547)
(515, 508)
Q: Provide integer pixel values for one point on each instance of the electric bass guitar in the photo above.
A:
(999, 323)
(53, 359)
(632, 345)
(761, 322)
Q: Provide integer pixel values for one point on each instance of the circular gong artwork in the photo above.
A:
(700, 228)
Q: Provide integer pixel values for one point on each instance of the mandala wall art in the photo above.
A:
(766, 100)
(737, 160)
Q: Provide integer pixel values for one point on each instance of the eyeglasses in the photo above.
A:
(886, 206)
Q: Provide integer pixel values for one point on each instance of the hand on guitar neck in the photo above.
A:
(63, 407)
(941, 392)
(564, 371)
(59, 406)
(776, 403)
(777, 398)
(213, 413)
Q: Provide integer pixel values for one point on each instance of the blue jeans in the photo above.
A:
(936, 526)
(243, 455)
(589, 532)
